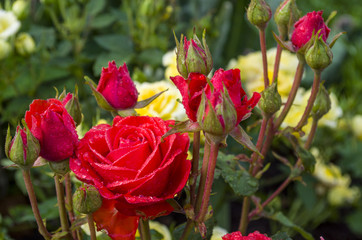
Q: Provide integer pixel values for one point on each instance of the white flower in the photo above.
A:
(9, 24)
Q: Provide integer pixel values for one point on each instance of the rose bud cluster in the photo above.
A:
(252, 236)
(305, 27)
(224, 103)
(135, 170)
(87, 199)
(54, 128)
(23, 149)
(192, 56)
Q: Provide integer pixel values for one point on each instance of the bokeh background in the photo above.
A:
(58, 42)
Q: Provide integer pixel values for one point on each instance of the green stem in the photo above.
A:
(292, 94)
(61, 204)
(34, 205)
(187, 229)
(92, 229)
(69, 202)
(271, 197)
(244, 221)
(205, 163)
(214, 149)
(311, 134)
(144, 229)
(264, 57)
(304, 120)
(277, 63)
(195, 165)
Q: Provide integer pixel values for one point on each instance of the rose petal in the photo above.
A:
(117, 225)
(144, 207)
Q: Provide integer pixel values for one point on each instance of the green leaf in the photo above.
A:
(102, 21)
(103, 59)
(242, 183)
(95, 6)
(280, 217)
(281, 236)
(244, 139)
(116, 43)
(307, 158)
(144, 103)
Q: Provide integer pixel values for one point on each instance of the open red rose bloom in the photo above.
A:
(134, 170)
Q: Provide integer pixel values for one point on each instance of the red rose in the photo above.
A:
(117, 87)
(135, 171)
(305, 26)
(252, 236)
(52, 125)
(191, 91)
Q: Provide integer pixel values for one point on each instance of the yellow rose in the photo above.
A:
(169, 61)
(166, 105)
(218, 233)
(24, 44)
(5, 49)
(160, 228)
(9, 25)
(296, 111)
(251, 71)
(341, 195)
(357, 126)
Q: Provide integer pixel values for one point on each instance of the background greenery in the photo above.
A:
(75, 38)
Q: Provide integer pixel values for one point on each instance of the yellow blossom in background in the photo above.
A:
(166, 105)
(251, 71)
(169, 61)
(337, 184)
(5, 49)
(217, 233)
(341, 195)
(160, 228)
(357, 126)
(296, 111)
(9, 24)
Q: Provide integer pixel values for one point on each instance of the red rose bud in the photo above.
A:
(270, 101)
(319, 55)
(191, 91)
(322, 104)
(71, 103)
(285, 16)
(306, 26)
(87, 199)
(224, 104)
(259, 13)
(23, 149)
(192, 56)
(54, 128)
(252, 236)
(117, 88)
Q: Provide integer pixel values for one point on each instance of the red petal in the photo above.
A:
(117, 225)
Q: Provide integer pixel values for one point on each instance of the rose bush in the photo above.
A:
(134, 169)
(304, 28)
(52, 125)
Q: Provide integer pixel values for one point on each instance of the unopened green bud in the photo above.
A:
(259, 13)
(193, 56)
(24, 44)
(71, 103)
(61, 167)
(87, 199)
(21, 9)
(286, 15)
(23, 149)
(319, 55)
(270, 100)
(5, 49)
(322, 104)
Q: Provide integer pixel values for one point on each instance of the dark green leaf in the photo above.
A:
(102, 21)
(308, 159)
(103, 59)
(95, 6)
(118, 43)
(280, 217)
(242, 183)
(281, 236)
